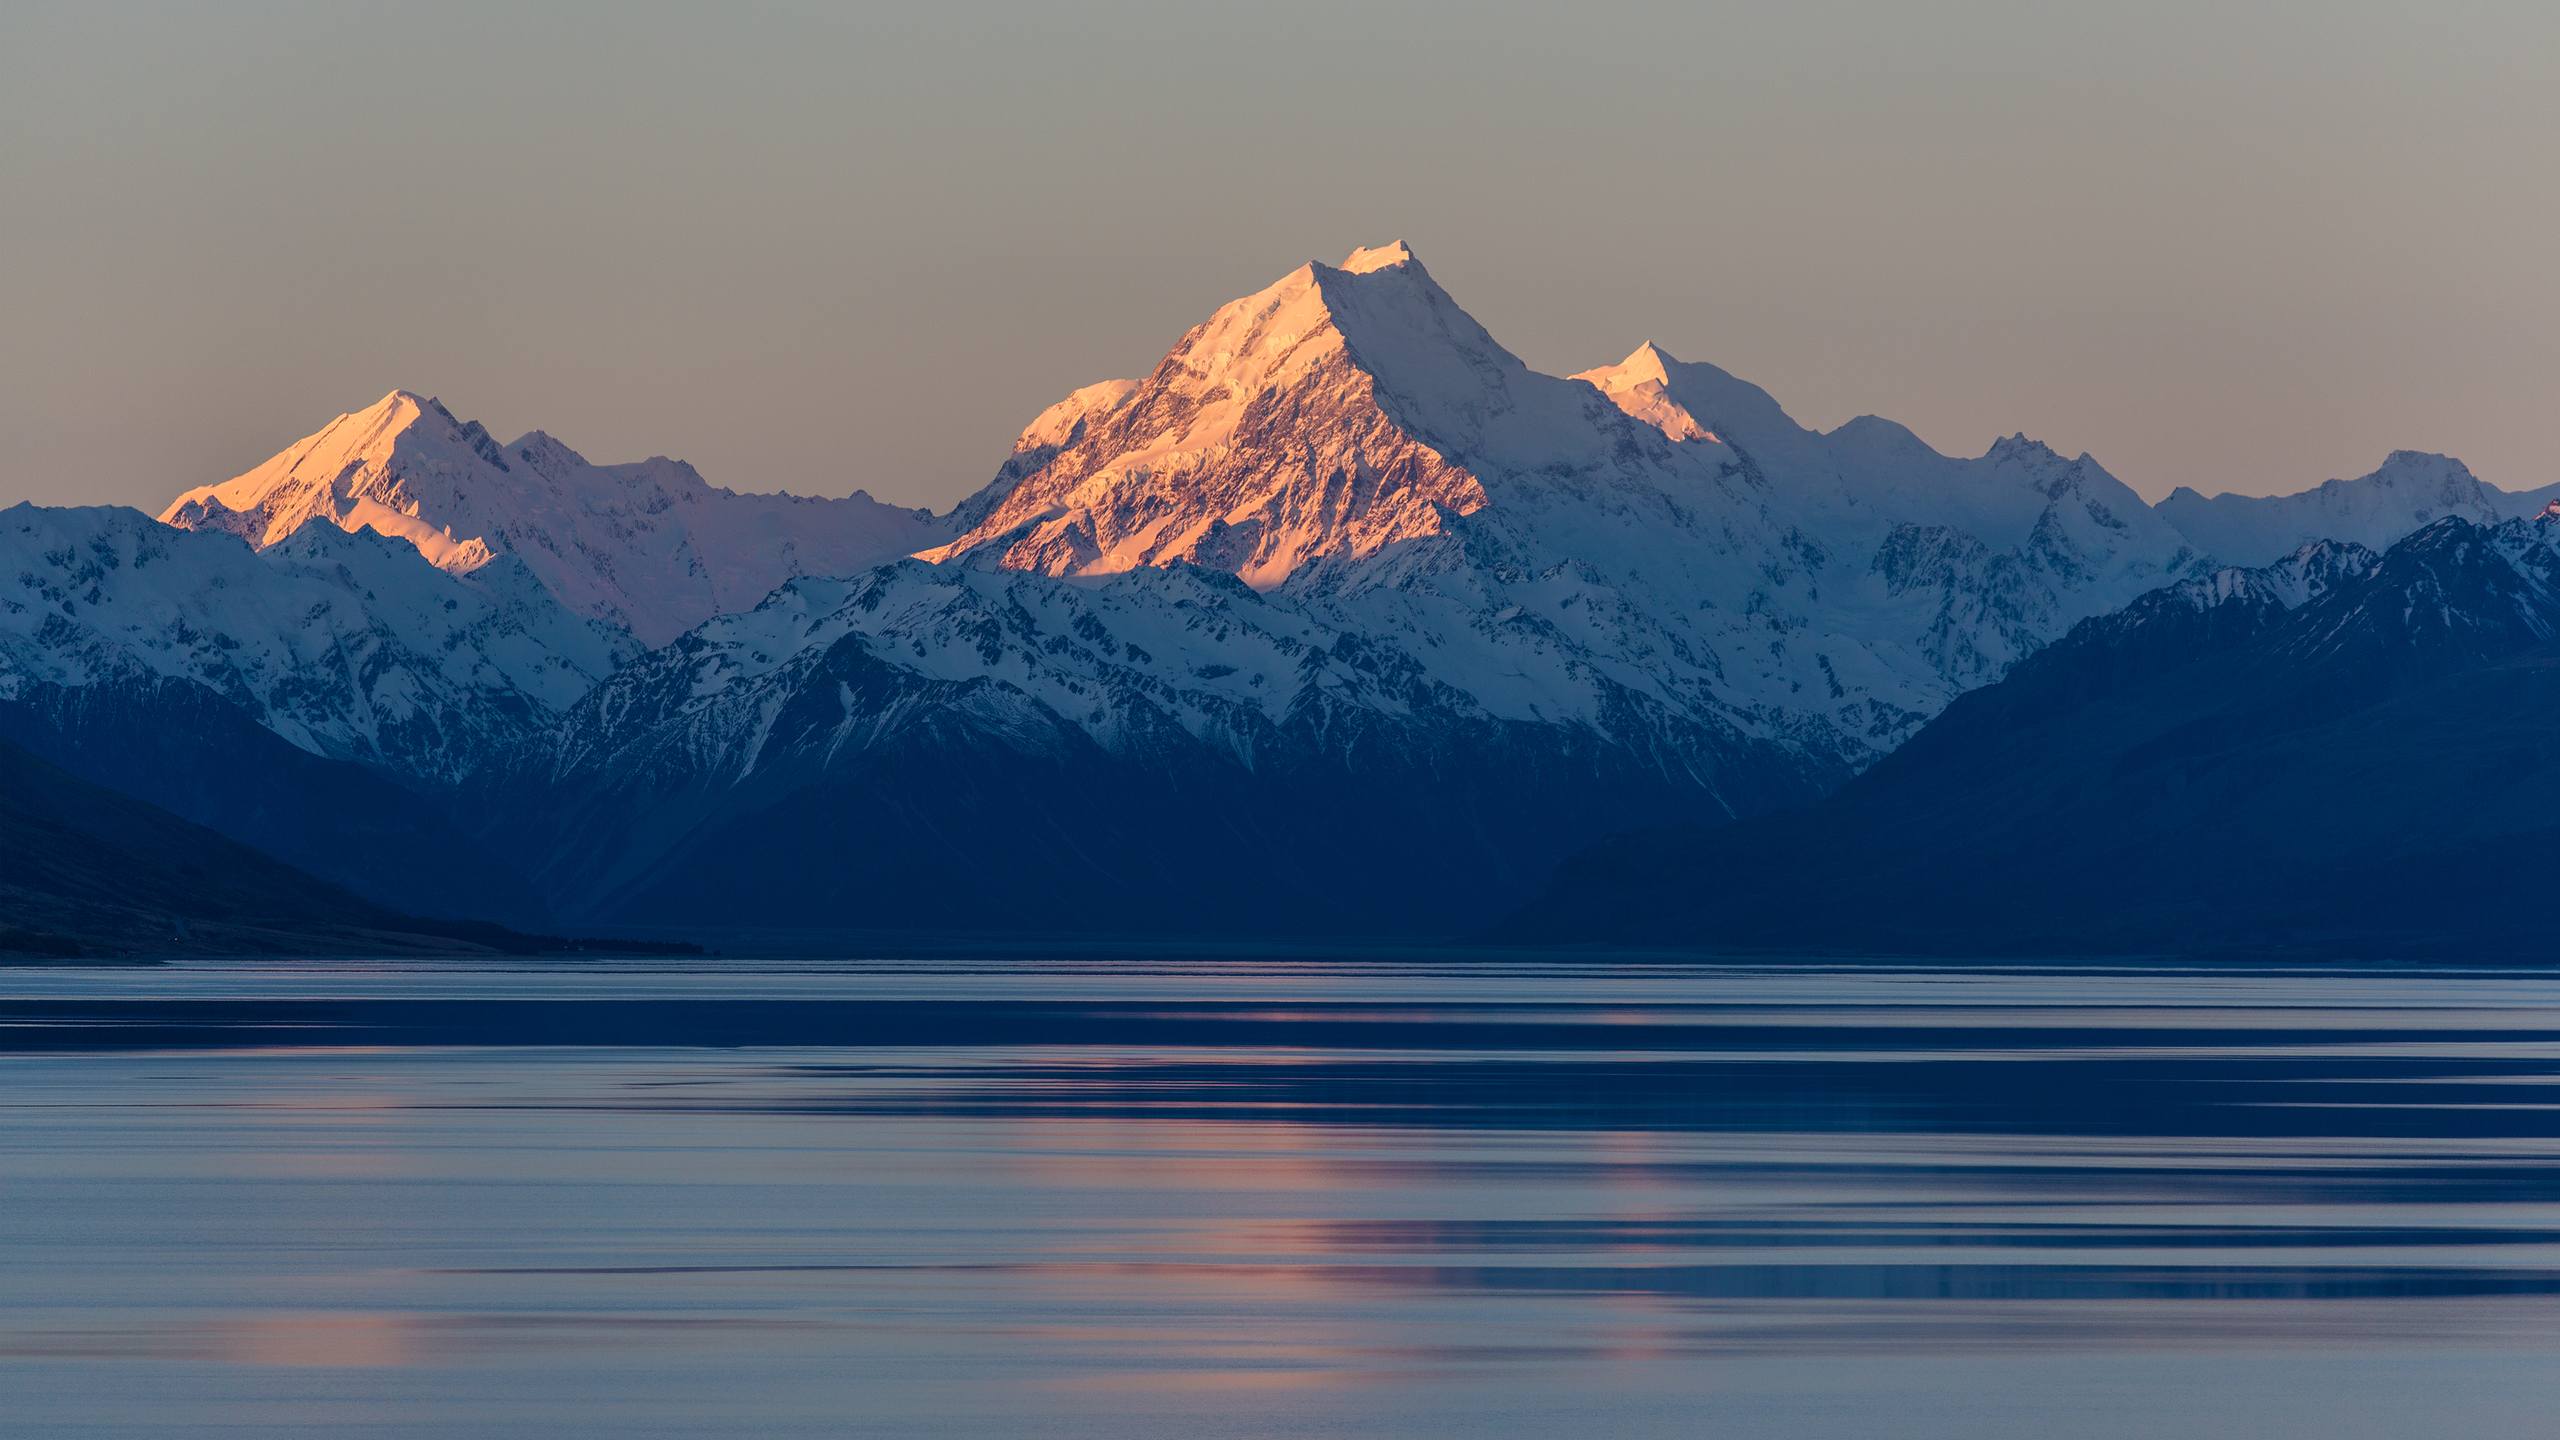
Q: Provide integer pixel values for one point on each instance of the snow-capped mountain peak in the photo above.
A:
(1640, 385)
(650, 546)
(1330, 414)
(387, 467)
(546, 455)
(1367, 258)
(2408, 491)
(1691, 400)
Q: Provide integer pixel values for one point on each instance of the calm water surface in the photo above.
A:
(1273, 1200)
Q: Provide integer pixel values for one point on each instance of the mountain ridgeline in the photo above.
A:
(1342, 621)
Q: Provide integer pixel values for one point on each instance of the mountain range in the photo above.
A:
(1342, 620)
(2339, 753)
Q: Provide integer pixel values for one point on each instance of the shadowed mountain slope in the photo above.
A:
(2336, 754)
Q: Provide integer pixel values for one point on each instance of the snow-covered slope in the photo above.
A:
(2410, 491)
(965, 746)
(649, 546)
(1118, 660)
(347, 645)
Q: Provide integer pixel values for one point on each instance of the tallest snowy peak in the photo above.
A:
(1337, 411)
(1370, 258)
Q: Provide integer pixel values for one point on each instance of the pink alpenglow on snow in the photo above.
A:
(650, 545)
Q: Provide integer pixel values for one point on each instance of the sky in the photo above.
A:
(825, 246)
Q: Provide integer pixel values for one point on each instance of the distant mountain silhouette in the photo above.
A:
(181, 746)
(85, 871)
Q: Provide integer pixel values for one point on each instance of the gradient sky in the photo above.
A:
(815, 247)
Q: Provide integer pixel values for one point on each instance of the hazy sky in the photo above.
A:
(819, 246)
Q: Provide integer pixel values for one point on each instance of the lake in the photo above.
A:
(1270, 1199)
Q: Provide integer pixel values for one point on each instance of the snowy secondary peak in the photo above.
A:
(2410, 490)
(1653, 357)
(546, 455)
(1689, 400)
(1647, 364)
(1640, 385)
(374, 468)
(2426, 465)
(650, 546)
(2021, 447)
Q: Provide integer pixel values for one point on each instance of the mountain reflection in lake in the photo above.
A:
(1083, 1199)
